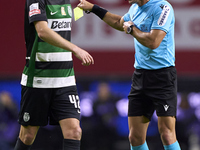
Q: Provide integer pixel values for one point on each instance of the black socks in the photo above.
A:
(21, 146)
(69, 144)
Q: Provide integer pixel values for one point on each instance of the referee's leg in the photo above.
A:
(137, 132)
(166, 127)
(72, 133)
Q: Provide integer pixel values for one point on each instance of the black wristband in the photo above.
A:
(99, 11)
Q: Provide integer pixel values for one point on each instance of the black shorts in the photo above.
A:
(40, 106)
(153, 90)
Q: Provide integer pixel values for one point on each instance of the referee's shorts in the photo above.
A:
(153, 90)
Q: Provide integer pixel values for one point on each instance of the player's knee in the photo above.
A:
(27, 138)
(77, 132)
(74, 133)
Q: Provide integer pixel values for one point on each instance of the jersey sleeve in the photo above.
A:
(163, 17)
(126, 17)
(36, 10)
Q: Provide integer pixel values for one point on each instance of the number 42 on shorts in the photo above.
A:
(74, 99)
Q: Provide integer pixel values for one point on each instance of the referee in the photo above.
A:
(154, 81)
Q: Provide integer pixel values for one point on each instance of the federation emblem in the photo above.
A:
(63, 11)
(34, 9)
(26, 117)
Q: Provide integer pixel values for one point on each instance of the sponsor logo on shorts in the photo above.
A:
(166, 107)
(164, 15)
(34, 9)
(26, 117)
(60, 24)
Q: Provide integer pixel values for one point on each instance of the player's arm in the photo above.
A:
(150, 39)
(111, 19)
(51, 37)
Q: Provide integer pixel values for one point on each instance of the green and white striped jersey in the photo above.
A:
(48, 66)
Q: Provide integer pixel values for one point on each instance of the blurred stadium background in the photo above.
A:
(113, 52)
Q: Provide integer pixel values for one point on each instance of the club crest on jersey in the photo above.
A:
(164, 15)
(69, 10)
(34, 9)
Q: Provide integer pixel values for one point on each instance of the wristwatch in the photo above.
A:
(130, 29)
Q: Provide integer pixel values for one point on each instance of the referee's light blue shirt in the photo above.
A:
(155, 14)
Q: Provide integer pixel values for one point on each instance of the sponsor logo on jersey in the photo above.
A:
(53, 13)
(39, 81)
(60, 24)
(161, 6)
(34, 9)
(164, 15)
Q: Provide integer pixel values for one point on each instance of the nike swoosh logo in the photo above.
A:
(53, 13)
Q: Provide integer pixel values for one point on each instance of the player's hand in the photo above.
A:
(84, 56)
(85, 5)
(126, 25)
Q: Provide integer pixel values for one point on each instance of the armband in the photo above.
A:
(99, 11)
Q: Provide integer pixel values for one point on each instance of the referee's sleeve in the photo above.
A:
(126, 17)
(163, 17)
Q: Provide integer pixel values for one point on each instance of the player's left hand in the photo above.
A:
(83, 55)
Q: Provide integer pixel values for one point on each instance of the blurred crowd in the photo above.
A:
(104, 122)
(9, 126)
(99, 127)
(188, 121)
